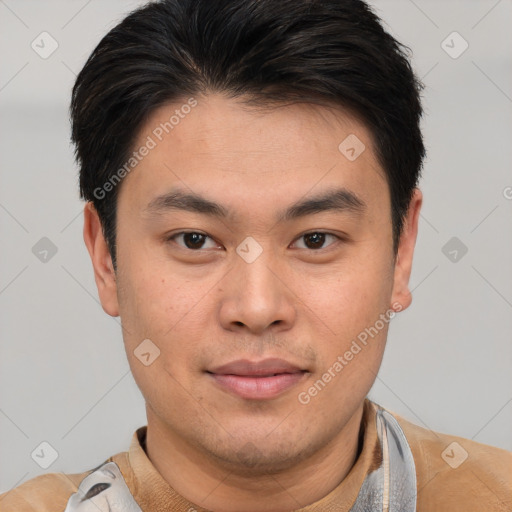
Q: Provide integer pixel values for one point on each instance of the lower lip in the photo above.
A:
(258, 388)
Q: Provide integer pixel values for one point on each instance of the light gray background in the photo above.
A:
(64, 377)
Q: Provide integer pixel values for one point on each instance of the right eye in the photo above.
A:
(95, 490)
(192, 240)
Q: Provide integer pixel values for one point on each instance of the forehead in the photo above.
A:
(222, 146)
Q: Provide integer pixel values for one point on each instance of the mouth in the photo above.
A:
(261, 380)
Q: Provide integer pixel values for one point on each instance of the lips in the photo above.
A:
(257, 380)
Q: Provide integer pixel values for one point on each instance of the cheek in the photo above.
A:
(351, 352)
(350, 298)
(166, 310)
(153, 300)
(153, 309)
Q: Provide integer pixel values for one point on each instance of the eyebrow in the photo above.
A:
(339, 200)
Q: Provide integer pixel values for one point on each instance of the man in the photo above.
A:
(250, 170)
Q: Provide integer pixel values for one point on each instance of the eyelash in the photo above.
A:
(171, 238)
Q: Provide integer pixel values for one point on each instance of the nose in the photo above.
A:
(258, 296)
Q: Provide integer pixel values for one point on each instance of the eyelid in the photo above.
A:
(339, 238)
(171, 237)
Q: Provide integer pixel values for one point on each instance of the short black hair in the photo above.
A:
(272, 51)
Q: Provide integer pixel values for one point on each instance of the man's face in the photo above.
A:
(258, 280)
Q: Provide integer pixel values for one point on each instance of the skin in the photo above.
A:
(208, 307)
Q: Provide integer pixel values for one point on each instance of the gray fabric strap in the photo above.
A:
(391, 487)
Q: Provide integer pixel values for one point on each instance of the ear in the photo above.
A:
(102, 262)
(401, 297)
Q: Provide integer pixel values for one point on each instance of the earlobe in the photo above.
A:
(104, 274)
(401, 296)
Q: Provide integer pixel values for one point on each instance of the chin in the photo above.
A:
(254, 455)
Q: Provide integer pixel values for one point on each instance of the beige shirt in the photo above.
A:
(447, 480)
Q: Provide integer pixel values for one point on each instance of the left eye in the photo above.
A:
(192, 240)
(315, 240)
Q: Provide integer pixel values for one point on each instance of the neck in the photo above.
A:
(209, 483)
